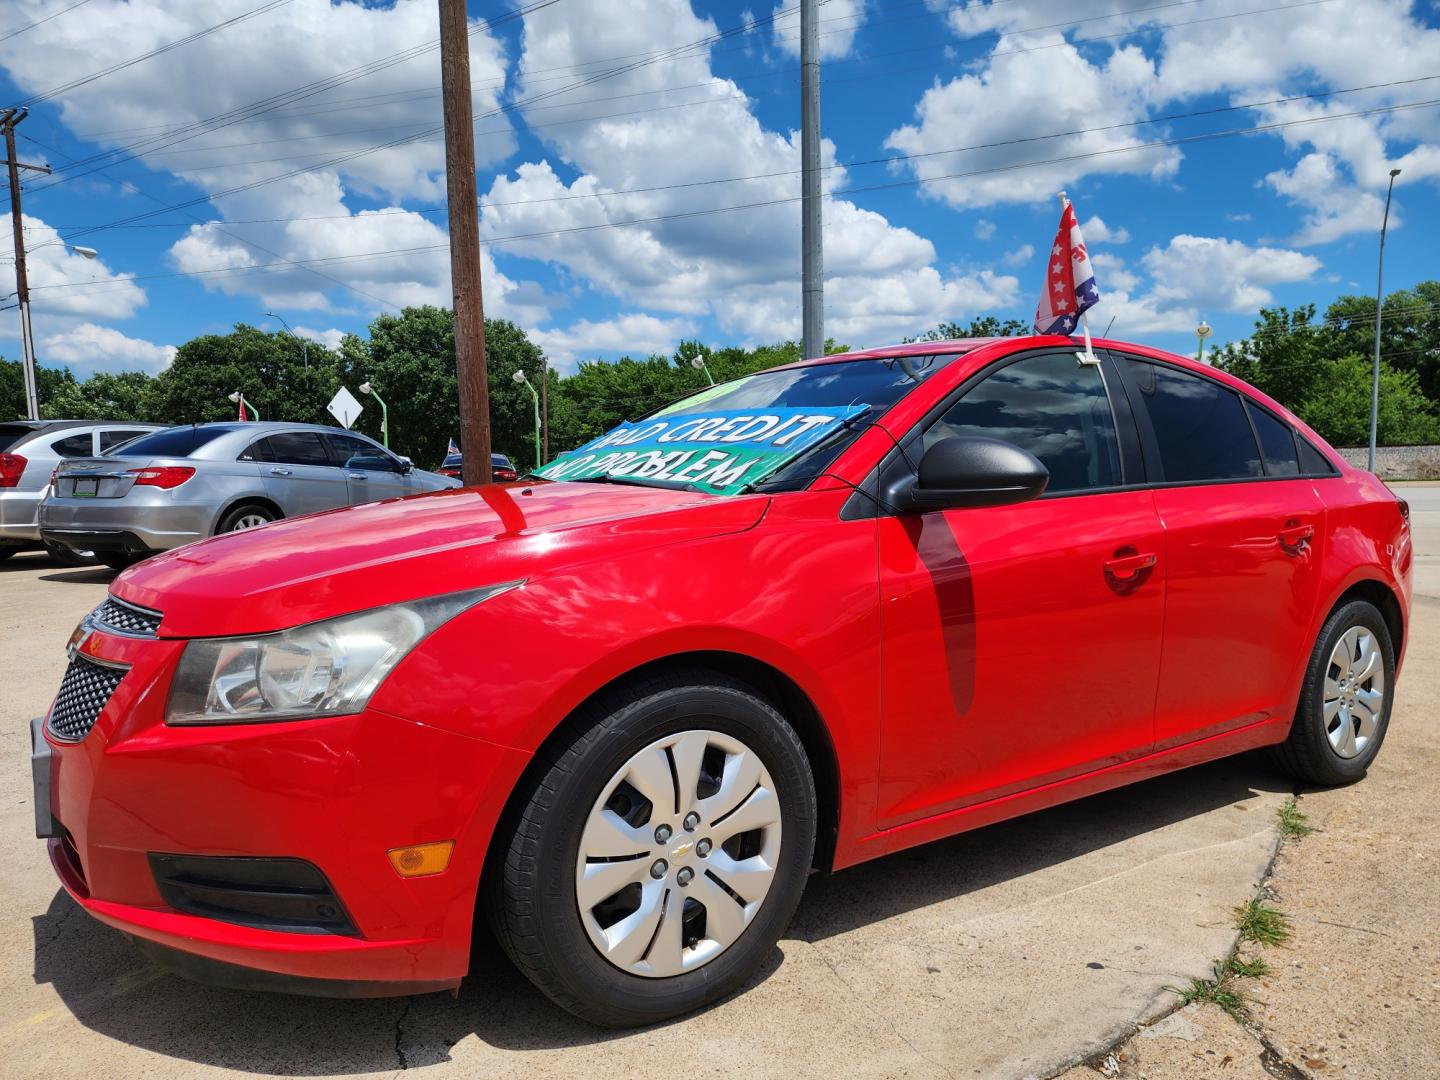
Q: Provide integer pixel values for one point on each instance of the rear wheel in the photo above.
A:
(1345, 705)
(69, 556)
(248, 516)
(660, 854)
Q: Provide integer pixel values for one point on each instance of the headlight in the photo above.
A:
(328, 668)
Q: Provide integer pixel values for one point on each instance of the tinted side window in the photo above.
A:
(174, 442)
(353, 453)
(116, 436)
(1312, 462)
(1199, 424)
(1051, 406)
(1277, 442)
(73, 446)
(292, 448)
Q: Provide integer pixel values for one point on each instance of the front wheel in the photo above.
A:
(1345, 704)
(660, 854)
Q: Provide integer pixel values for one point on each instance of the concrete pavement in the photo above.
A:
(1012, 951)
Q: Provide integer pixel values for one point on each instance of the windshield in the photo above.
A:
(775, 429)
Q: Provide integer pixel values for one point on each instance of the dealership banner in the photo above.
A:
(720, 450)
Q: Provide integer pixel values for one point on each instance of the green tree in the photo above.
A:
(1339, 409)
(105, 395)
(984, 326)
(1409, 331)
(268, 368)
(1286, 357)
(410, 360)
(49, 382)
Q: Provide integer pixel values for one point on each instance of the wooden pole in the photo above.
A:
(22, 285)
(464, 244)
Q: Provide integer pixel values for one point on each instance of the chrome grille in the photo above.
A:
(122, 618)
(86, 688)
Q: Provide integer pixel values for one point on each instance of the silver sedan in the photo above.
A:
(186, 483)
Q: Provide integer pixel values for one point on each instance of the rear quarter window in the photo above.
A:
(81, 445)
(174, 442)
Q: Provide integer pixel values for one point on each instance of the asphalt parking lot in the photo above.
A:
(1011, 951)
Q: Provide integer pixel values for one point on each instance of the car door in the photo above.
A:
(371, 474)
(297, 472)
(1021, 644)
(1243, 535)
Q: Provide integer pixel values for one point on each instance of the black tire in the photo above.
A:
(6, 551)
(530, 893)
(69, 556)
(1307, 754)
(118, 560)
(230, 522)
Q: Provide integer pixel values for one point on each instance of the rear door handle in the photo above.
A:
(1294, 535)
(280, 472)
(1125, 567)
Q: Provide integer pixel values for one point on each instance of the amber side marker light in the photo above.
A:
(421, 860)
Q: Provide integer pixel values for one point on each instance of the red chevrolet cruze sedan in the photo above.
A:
(623, 716)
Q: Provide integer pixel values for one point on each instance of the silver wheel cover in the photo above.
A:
(249, 521)
(1354, 692)
(659, 903)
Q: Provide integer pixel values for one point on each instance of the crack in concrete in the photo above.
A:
(59, 927)
(400, 1034)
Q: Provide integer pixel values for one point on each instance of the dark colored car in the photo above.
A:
(501, 467)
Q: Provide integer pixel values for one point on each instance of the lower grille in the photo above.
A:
(84, 692)
(289, 895)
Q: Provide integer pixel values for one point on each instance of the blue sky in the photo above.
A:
(948, 126)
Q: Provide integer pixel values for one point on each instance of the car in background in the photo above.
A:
(186, 483)
(30, 451)
(501, 467)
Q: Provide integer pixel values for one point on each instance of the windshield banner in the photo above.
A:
(720, 451)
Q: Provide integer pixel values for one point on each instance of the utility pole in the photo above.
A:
(8, 119)
(812, 263)
(545, 408)
(1379, 308)
(464, 244)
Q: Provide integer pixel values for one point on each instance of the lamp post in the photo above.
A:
(698, 363)
(239, 399)
(1379, 306)
(521, 380)
(304, 348)
(1201, 333)
(366, 388)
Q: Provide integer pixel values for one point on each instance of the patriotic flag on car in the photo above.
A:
(453, 448)
(1069, 282)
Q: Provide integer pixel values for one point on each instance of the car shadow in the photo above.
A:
(109, 988)
(94, 575)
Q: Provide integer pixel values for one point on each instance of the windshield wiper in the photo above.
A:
(633, 481)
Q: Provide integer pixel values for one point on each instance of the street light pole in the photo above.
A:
(239, 399)
(8, 119)
(1379, 307)
(812, 261)
(366, 388)
(698, 363)
(520, 378)
(304, 348)
(1201, 333)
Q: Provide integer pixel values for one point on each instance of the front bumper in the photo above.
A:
(125, 524)
(337, 792)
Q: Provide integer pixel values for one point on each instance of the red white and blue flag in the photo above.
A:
(1069, 282)
(452, 449)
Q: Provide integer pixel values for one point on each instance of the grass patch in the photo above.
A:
(1261, 924)
(1219, 991)
(1255, 968)
(1293, 822)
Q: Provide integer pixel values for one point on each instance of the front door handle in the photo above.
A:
(280, 472)
(1126, 567)
(1295, 535)
(356, 475)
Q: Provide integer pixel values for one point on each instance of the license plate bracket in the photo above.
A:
(86, 487)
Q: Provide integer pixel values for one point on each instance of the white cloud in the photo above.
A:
(63, 283)
(329, 338)
(1217, 274)
(1020, 256)
(740, 267)
(839, 22)
(1096, 231)
(635, 334)
(1025, 94)
(984, 230)
(102, 348)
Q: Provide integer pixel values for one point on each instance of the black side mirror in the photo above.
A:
(966, 471)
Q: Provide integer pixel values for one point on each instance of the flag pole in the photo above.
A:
(1088, 356)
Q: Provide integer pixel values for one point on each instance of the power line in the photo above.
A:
(35, 99)
(655, 219)
(887, 160)
(31, 26)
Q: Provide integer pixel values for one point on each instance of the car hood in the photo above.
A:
(303, 569)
